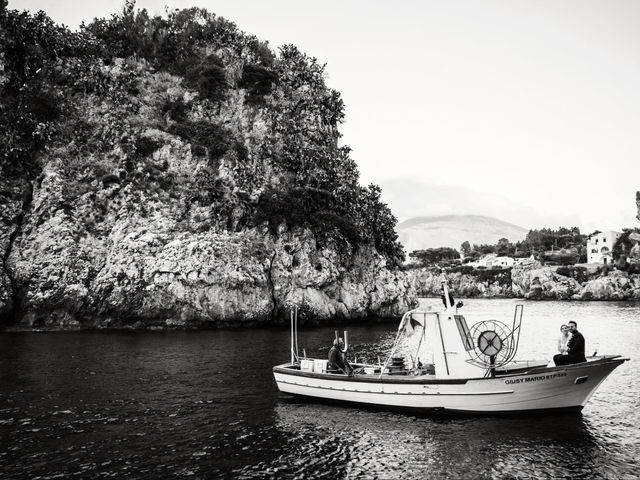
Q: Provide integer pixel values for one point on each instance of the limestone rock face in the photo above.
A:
(324, 287)
(428, 283)
(531, 280)
(615, 286)
(145, 218)
(12, 197)
(140, 268)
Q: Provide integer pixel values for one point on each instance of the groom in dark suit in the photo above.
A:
(575, 348)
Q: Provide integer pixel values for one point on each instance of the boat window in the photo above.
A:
(465, 335)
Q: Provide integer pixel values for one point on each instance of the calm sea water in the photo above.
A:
(204, 405)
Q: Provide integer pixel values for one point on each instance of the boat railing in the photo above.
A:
(515, 331)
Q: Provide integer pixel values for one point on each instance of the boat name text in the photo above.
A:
(535, 379)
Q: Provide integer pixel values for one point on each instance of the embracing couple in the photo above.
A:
(570, 345)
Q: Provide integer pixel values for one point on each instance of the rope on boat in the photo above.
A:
(396, 342)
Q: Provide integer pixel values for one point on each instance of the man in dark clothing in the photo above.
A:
(575, 348)
(336, 357)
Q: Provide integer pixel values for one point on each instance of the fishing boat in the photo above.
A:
(437, 364)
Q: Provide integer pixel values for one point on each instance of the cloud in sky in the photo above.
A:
(535, 102)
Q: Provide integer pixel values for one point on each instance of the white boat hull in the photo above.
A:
(538, 389)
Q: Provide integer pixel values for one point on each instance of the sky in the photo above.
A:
(527, 111)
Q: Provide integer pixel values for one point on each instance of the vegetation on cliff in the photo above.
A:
(150, 79)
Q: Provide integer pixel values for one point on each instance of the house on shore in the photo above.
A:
(492, 260)
(600, 247)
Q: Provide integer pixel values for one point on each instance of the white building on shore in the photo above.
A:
(492, 260)
(600, 247)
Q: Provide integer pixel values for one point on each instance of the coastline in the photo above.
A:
(531, 281)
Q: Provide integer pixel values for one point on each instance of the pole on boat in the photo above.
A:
(447, 299)
(444, 350)
(292, 351)
(405, 318)
(295, 323)
(424, 323)
(346, 341)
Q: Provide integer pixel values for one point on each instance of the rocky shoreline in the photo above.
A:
(530, 280)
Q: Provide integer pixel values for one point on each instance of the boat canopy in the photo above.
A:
(444, 342)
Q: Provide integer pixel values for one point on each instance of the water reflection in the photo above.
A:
(355, 443)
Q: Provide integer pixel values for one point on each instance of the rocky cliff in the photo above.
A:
(183, 178)
(145, 272)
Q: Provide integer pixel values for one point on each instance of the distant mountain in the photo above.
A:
(419, 233)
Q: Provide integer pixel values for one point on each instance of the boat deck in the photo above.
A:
(427, 376)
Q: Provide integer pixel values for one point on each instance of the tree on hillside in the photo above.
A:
(43, 66)
(503, 247)
(483, 249)
(622, 248)
(433, 256)
(378, 224)
(539, 241)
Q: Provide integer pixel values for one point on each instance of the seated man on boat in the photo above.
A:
(337, 360)
(575, 348)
